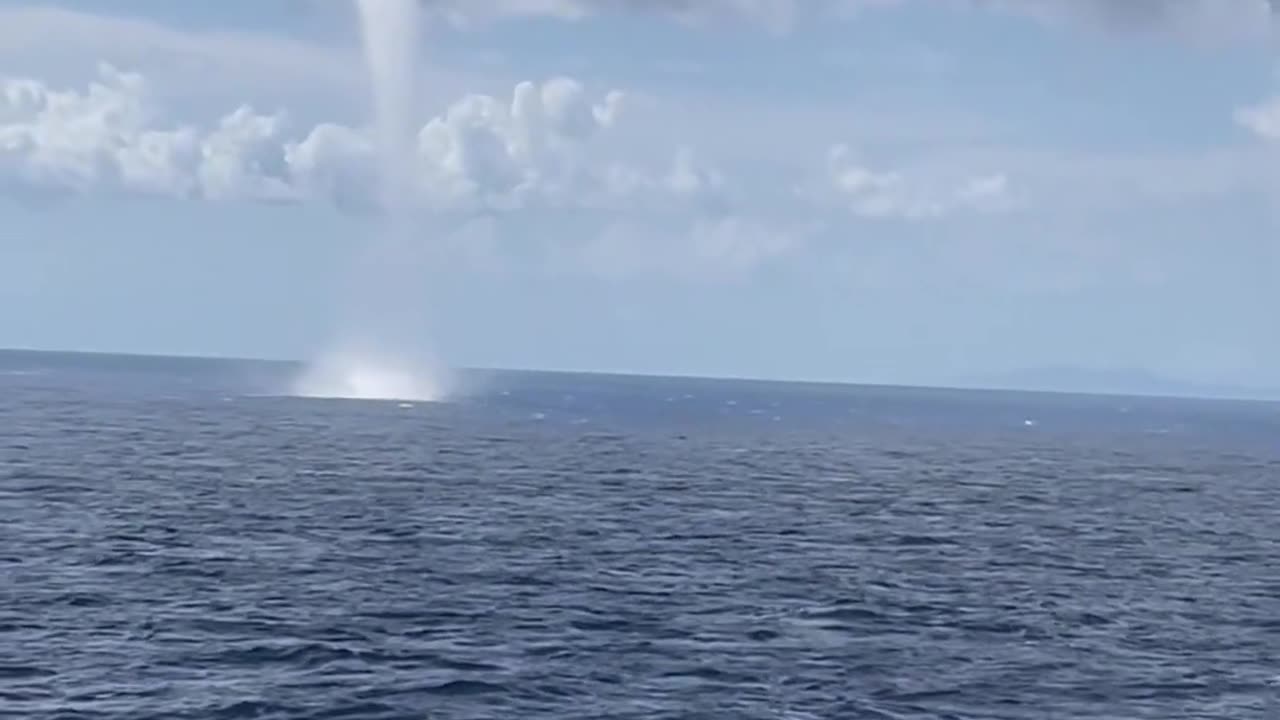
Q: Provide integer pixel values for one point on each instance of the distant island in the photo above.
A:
(1113, 382)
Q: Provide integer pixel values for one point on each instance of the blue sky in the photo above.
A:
(914, 191)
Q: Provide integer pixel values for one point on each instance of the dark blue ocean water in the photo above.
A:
(176, 542)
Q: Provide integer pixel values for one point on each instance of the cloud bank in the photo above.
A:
(1228, 18)
(548, 145)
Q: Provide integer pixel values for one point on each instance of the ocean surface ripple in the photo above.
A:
(174, 546)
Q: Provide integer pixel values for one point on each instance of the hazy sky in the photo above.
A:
(868, 190)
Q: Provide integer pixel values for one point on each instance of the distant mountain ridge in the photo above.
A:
(1074, 380)
(1121, 381)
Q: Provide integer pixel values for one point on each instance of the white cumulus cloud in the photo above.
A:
(871, 193)
(1263, 120)
(547, 145)
(108, 136)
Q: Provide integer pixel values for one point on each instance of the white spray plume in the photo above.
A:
(367, 375)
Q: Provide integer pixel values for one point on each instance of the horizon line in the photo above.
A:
(1260, 396)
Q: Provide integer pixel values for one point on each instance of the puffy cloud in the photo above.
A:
(543, 146)
(1263, 120)
(690, 182)
(727, 246)
(988, 193)
(499, 155)
(689, 177)
(243, 158)
(872, 193)
(66, 138)
(105, 137)
(334, 162)
(739, 244)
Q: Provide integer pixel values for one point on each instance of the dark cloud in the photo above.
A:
(1203, 18)
(1224, 18)
(769, 12)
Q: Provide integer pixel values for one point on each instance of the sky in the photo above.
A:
(901, 191)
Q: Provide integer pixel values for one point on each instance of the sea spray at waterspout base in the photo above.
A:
(376, 354)
(368, 375)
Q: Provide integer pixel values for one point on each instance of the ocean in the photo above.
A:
(179, 541)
